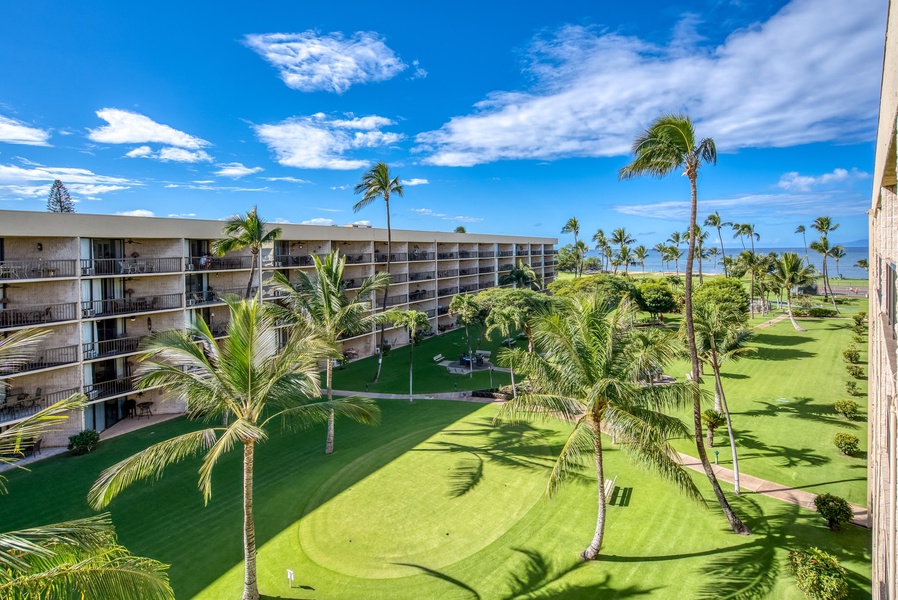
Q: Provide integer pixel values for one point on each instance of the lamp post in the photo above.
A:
(491, 377)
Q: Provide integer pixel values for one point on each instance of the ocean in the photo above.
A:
(846, 265)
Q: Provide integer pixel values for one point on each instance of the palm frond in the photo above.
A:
(359, 409)
(580, 441)
(18, 349)
(237, 431)
(91, 533)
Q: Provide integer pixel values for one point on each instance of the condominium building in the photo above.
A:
(100, 284)
(883, 317)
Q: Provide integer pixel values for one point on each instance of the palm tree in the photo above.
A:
(641, 253)
(622, 238)
(248, 376)
(601, 244)
(669, 144)
(580, 250)
(80, 558)
(506, 320)
(790, 272)
(376, 183)
(322, 304)
(674, 254)
(661, 249)
(714, 220)
(585, 374)
(800, 229)
(460, 229)
(573, 226)
(721, 336)
(823, 248)
(714, 252)
(823, 226)
(625, 258)
(522, 276)
(412, 321)
(249, 231)
(862, 264)
(838, 253)
(701, 236)
(466, 310)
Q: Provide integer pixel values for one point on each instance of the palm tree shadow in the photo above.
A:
(785, 455)
(800, 407)
(466, 475)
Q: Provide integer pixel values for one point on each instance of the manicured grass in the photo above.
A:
(782, 399)
(437, 502)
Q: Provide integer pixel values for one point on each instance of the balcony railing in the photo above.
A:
(357, 259)
(131, 266)
(536, 264)
(219, 263)
(418, 295)
(471, 271)
(507, 267)
(447, 255)
(467, 254)
(447, 291)
(120, 306)
(37, 314)
(106, 348)
(423, 276)
(487, 269)
(20, 404)
(44, 359)
(394, 257)
(107, 389)
(286, 260)
(214, 296)
(36, 269)
(465, 289)
(398, 278)
(487, 254)
(442, 310)
(430, 313)
(397, 299)
(420, 255)
(447, 273)
(536, 252)
(486, 285)
(506, 253)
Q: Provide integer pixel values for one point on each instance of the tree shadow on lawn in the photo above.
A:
(801, 407)
(772, 339)
(768, 353)
(786, 456)
(536, 577)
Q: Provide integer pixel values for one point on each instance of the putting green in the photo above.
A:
(446, 499)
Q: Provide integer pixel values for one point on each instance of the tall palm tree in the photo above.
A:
(823, 248)
(668, 145)
(249, 376)
(573, 226)
(247, 231)
(80, 558)
(641, 253)
(661, 249)
(522, 276)
(701, 236)
(838, 253)
(800, 229)
(714, 252)
(790, 272)
(585, 373)
(625, 258)
(376, 183)
(621, 237)
(674, 254)
(601, 243)
(863, 263)
(720, 337)
(412, 321)
(714, 220)
(580, 250)
(466, 310)
(506, 320)
(322, 304)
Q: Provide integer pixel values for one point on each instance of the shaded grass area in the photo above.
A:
(436, 503)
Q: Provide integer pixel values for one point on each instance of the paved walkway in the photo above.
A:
(772, 322)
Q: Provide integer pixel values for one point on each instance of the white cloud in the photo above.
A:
(333, 210)
(14, 175)
(419, 73)
(364, 222)
(140, 152)
(288, 179)
(414, 181)
(804, 183)
(345, 186)
(126, 127)
(182, 215)
(13, 131)
(170, 154)
(138, 212)
(310, 61)
(93, 190)
(810, 73)
(316, 142)
(318, 221)
(770, 208)
(280, 220)
(236, 170)
(426, 212)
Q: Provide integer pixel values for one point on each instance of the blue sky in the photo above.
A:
(504, 121)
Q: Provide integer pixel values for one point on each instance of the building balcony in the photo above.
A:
(442, 310)
(219, 263)
(418, 255)
(394, 257)
(430, 313)
(536, 264)
(21, 403)
(131, 266)
(447, 273)
(123, 306)
(449, 291)
(447, 255)
(486, 285)
(109, 389)
(37, 314)
(423, 276)
(506, 253)
(287, 260)
(486, 270)
(488, 254)
(45, 358)
(397, 299)
(108, 348)
(418, 295)
(357, 259)
(36, 269)
(471, 271)
(467, 254)
(215, 296)
(398, 278)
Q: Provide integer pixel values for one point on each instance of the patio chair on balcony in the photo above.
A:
(127, 267)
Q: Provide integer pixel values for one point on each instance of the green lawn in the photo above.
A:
(437, 502)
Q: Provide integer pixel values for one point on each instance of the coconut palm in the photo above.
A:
(714, 220)
(713, 419)
(791, 272)
(412, 321)
(506, 320)
(322, 304)
(247, 231)
(572, 226)
(376, 183)
(625, 258)
(585, 373)
(466, 310)
(701, 237)
(837, 253)
(661, 249)
(522, 276)
(580, 250)
(714, 252)
(668, 145)
(823, 248)
(460, 229)
(621, 237)
(601, 244)
(800, 229)
(249, 376)
(674, 254)
(640, 253)
(720, 337)
(862, 264)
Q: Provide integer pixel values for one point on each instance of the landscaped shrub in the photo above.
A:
(855, 371)
(846, 442)
(822, 311)
(859, 319)
(851, 354)
(851, 388)
(818, 574)
(846, 408)
(84, 442)
(858, 338)
(835, 510)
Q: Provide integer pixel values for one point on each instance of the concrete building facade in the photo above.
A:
(883, 320)
(100, 284)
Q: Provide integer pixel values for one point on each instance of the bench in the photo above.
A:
(483, 353)
(457, 371)
(609, 487)
(438, 358)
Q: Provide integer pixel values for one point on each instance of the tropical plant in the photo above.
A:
(804, 239)
(852, 389)
(322, 304)
(247, 231)
(84, 442)
(506, 320)
(625, 258)
(837, 253)
(59, 199)
(466, 310)
(824, 226)
(847, 443)
(863, 264)
(601, 245)
(621, 237)
(376, 183)
(714, 220)
(834, 509)
(713, 419)
(655, 298)
(791, 272)
(412, 321)
(661, 249)
(522, 276)
(714, 252)
(573, 226)
(584, 373)
(668, 145)
(460, 229)
(818, 574)
(701, 236)
(846, 408)
(855, 371)
(580, 250)
(640, 253)
(673, 253)
(526, 303)
(249, 376)
(851, 354)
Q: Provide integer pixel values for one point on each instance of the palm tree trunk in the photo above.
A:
(710, 437)
(411, 362)
(807, 259)
(718, 406)
(722, 253)
(329, 374)
(701, 276)
(259, 289)
(828, 286)
(380, 354)
(726, 412)
(751, 300)
(250, 585)
(514, 388)
(735, 523)
(789, 309)
(593, 550)
(252, 275)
